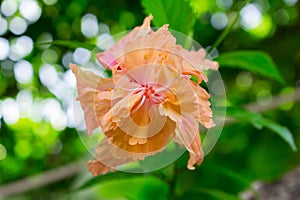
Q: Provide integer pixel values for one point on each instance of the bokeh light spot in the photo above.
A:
(244, 80)
(264, 97)
(22, 148)
(44, 41)
(48, 75)
(219, 20)
(105, 41)
(50, 2)
(81, 55)
(30, 10)
(10, 111)
(69, 78)
(103, 28)
(2, 152)
(224, 4)
(53, 113)
(251, 17)
(18, 25)
(67, 59)
(23, 71)
(264, 29)
(24, 101)
(1, 110)
(9, 7)
(50, 56)
(290, 2)
(89, 25)
(3, 25)
(36, 113)
(4, 48)
(282, 17)
(59, 121)
(7, 68)
(20, 48)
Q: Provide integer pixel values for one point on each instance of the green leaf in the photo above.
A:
(237, 177)
(219, 194)
(254, 61)
(209, 194)
(139, 187)
(177, 13)
(102, 178)
(259, 121)
(69, 44)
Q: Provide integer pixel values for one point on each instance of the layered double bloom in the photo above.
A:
(149, 100)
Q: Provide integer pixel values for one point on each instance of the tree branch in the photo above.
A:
(277, 101)
(41, 179)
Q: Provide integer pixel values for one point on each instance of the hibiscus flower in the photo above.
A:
(149, 100)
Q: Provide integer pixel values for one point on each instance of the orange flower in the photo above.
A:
(149, 100)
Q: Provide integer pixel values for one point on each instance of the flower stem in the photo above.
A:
(226, 30)
(224, 33)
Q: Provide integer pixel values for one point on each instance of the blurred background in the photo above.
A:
(41, 154)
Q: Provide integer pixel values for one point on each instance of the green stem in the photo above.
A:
(227, 30)
(173, 182)
(224, 33)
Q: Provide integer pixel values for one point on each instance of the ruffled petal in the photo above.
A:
(105, 160)
(96, 167)
(119, 148)
(143, 146)
(187, 134)
(194, 62)
(198, 60)
(205, 113)
(181, 101)
(90, 87)
(196, 153)
(109, 58)
(151, 50)
(86, 79)
(182, 107)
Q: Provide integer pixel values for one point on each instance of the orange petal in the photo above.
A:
(96, 167)
(143, 122)
(105, 159)
(181, 101)
(196, 153)
(109, 58)
(152, 145)
(90, 86)
(86, 79)
(198, 60)
(205, 113)
(187, 134)
(152, 49)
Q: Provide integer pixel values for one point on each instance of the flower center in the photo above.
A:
(150, 93)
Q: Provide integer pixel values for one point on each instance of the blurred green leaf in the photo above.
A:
(69, 44)
(209, 194)
(110, 176)
(178, 14)
(219, 194)
(139, 187)
(237, 177)
(259, 121)
(254, 61)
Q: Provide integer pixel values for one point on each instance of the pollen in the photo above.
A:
(146, 56)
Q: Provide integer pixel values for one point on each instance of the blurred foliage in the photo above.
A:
(259, 57)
